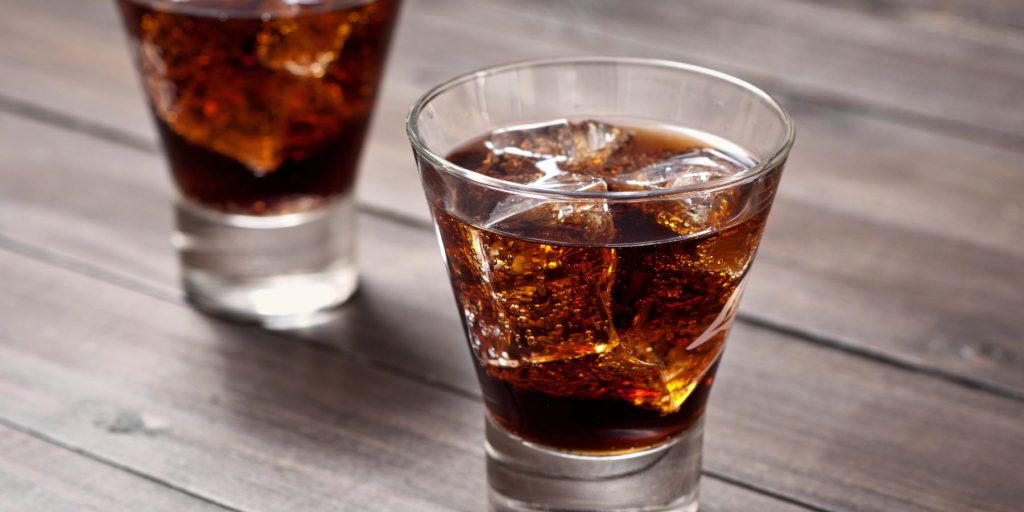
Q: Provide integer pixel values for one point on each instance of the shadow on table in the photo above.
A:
(399, 332)
(304, 408)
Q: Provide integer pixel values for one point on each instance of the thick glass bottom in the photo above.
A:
(524, 476)
(282, 272)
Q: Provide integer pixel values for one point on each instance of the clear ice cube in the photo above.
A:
(696, 212)
(590, 143)
(515, 204)
(555, 155)
(559, 144)
(568, 220)
(697, 166)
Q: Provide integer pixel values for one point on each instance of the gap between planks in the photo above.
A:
(802, 94)
(40, 436)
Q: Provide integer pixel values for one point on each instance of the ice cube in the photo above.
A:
(554, 298)
(679, 340)
(301, 45)
(260, 125)
(610, 374)
(525, 302)
(531, 141)
(558, 155)
(697, 212)
(684, 365)
(556, 145)
(515, 205)
(697, 166)
(202, 89)
(590, 143)
(562, 220)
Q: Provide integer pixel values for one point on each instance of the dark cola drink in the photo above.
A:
(598, 325)
(262, 105)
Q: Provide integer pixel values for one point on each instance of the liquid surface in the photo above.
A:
(261, 114)
(584, 344)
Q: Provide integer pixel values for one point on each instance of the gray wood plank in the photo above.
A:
(37, 476)
(240, 417)
(914, 72)
(906, 257)
(426, 341)
(895, 441)
(718, 496)
(932, 307)
(953, 14)
(63, 55)
(247, 417)
(909, 71)
(417, 68)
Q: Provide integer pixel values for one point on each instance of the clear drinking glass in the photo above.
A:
(598, 217)
(262, 107)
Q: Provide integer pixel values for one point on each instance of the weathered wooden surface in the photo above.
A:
(974, 15)
(39, 476)
(914, 188)
(225, 397)
(879, 363)
(426, 346)
(245, 419)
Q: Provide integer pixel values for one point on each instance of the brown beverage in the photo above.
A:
(262, 105)
(603, 341)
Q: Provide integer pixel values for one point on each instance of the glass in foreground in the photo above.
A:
(598, 218)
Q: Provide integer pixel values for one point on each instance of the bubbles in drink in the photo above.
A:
(305, 46)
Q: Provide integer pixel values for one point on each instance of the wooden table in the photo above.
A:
(878, 363)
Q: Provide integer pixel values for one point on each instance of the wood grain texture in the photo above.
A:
(63, 53)
(913, 259)
(242, 418)
(37, 476)
(788, 417)
(811, 391)
(247, 420)
(949, 13)
(917, 73)
(896, 234)
(910, 71)
(944, 189)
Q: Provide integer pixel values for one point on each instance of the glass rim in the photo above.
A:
(240, 10)
(751, 173)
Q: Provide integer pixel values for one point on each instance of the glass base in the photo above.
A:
(524, 476)
(282, 271)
